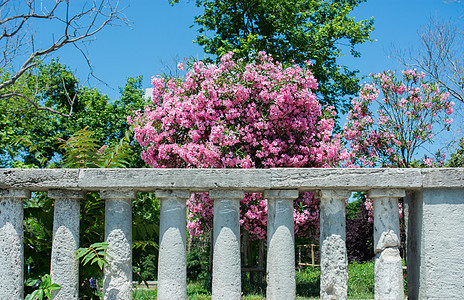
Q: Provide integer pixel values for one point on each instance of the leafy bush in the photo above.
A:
(45, 288)
(361, 280)
(197, 264)
(195, 289)
(359, 235)
(308, 282)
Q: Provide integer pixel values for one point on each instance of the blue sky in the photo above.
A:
(162, 34)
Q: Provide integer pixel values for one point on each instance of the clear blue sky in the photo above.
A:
(161, 33)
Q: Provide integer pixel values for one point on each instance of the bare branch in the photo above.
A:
(440, 56)
(36, 106)
(76, 25)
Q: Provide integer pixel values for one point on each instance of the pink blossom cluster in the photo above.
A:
(237, 115)
(407, 111)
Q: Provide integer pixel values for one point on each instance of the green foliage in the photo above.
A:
(33, 136)
(197, 264)
(145, 234)
(92, 220)
(292, 32)
(196, 289)
(308, 282)
(38, 234)
(142, 294)
(457, 158)
(82, 151)
(45, 288)
(94, 254)
(353, 209)
(361, 280)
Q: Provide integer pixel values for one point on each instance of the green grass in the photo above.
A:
(361, 280)
(308, 282)
(360, 285)
(143, 294)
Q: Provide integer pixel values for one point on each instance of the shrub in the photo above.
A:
(237, 115)
(359, 236)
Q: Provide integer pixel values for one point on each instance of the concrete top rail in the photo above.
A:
(245, 179)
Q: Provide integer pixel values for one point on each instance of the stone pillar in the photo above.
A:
(64, 269)
(172, 263)
(280, 245)
(226, 244)
(334, 262)
(117, 282)
(388, 264)
(438, 235)
(12, 244)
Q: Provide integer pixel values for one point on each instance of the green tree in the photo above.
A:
(98, 131)
(292, 31)
(457, 158)
(33, 136)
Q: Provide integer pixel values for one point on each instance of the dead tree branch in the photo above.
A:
(77, 22)
(440, 56)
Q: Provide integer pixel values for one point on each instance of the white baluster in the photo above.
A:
(334, 272)
(172, 264)
(64, 269)
(388, 264)
(117, 282)
(12, 243)
(280, 244)
(226, 253)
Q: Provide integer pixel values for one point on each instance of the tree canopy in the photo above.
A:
(33, 136)
(292, 31)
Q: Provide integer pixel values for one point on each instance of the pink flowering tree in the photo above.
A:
(409, 112)
(237, 115)
(392, 118)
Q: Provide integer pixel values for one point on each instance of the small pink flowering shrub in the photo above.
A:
(237, 115)
(407, 111)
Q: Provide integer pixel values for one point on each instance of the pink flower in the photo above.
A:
(403, 121)
(255, 115)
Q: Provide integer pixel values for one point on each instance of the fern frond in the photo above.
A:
(80, 150)
(116, 156)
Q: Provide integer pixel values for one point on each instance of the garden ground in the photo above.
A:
(360, 285)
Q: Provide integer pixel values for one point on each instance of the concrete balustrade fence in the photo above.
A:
(433, 199)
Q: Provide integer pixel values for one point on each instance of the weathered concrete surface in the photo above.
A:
(443, 178)
(349, 179)
(172, 264)
(281, 282)
(441, 244)
(226, 244)
(389, 275)
(192, 179)
(117, 282)
(64, 269)
(39, 179)
(386, 218)
(388, 264)
(247, 179)
(12, 244)
(334, 263)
